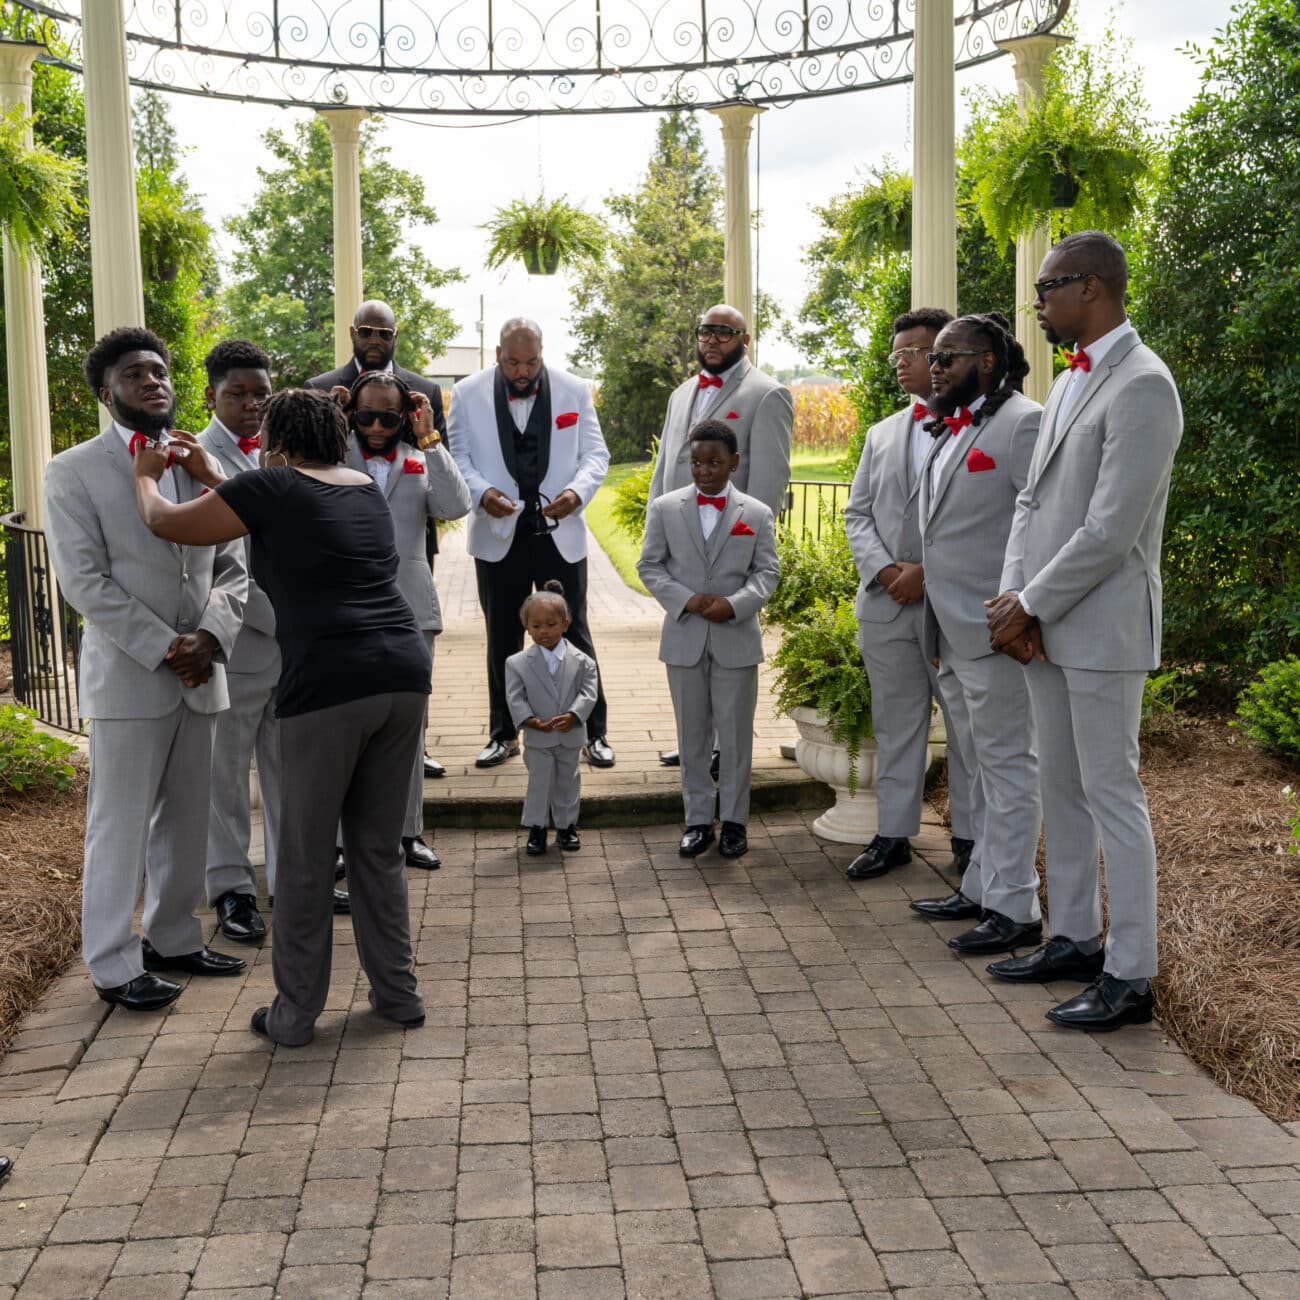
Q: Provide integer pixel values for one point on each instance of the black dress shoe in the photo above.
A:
(239, 918)
(695, 841)
(433, 770)
(536, 845)
(1057, 959)
(732, 840)
(961, 851)
(568, 839)
(670, 758)
(997, 933)
(419, 854)
(203, 962)
(6, 1167)
(956, 907)
(258, 1022)
(1107, 1003)
(342, 903)
(881, 855)
(495, 752)
(599, 753)
(340, 867)
(144, 993)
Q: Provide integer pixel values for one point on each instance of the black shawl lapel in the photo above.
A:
(539, 425)
(505, 425)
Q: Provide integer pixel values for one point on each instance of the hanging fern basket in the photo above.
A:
(1064, 189)
(542, 261)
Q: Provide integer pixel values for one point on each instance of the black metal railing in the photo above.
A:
(44, 630)
(804, 499)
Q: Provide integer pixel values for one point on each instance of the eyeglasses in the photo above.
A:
(899, 355)
(723, 332)
(539, 523)
(386, 419)
(944, 359)
(1043, 287)
(375, 331)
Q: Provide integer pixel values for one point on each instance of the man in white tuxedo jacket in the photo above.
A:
(882, 520)
(1081, 602)
(529, 447)
(160, 621)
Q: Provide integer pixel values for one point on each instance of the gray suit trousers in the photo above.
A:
(709, 698)
(902, 684)
(554, 784)
(414, 824)
(248, 727)
(343, 763)
(1004, 878)
(146, 820)
(1087, 722)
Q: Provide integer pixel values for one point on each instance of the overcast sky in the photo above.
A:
(810, 151)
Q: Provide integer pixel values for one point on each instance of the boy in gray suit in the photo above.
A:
(709, 558)
(160, 622)
(551, 691)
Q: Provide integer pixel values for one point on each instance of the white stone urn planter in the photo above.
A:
(851, 819)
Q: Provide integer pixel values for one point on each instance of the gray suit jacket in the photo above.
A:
(255, 647)
(1085, 546)
(965, 519)
(677, 563)
(882, 518)
(761, 412)
(435, 491)
(532, 692)
(136, 592)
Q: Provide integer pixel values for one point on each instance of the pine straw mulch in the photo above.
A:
(41, 834)
(1229, 894)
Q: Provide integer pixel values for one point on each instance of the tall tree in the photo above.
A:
(637, 307)
(283, 262)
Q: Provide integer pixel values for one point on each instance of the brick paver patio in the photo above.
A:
(640, 1077)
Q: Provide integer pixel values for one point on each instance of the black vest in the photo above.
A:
(527, 454)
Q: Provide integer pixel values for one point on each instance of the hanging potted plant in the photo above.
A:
(543, 233)
(173, 232)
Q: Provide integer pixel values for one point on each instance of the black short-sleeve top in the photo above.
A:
(325, 555)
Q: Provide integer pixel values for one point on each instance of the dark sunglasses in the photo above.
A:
(1043, 287)
(374, 331)
(385, 419)
(944, 359)
(723, 332)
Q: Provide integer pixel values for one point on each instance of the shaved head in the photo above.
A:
(725, 315)
(521, 325)
(375, 312)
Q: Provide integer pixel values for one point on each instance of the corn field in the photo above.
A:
(824, 417)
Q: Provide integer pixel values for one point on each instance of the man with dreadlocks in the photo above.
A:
(984, 436)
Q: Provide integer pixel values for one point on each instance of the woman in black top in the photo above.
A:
(351, 697)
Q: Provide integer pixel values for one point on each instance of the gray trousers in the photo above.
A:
(709, 699)
(903, 682)
(1087, 724)
(344, 759)
(146, 821)
(248, 727)
(414, 823)
(1000, 741)
(554, 785)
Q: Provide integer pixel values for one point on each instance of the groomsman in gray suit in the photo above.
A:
(884, 531)
(756, 407)
(160, 622)
(977, 465)
(1081, 603)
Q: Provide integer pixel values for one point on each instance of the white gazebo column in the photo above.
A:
(110, 170)
(934, 158)
(1031, 55)
(345, 136)
(738, 271)
(29, 406)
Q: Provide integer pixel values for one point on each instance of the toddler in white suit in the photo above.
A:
(551, 691)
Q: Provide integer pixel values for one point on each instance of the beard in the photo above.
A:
(956, 395)
(729, 358)
(389, 443)
(1050, 334)
(139, 420)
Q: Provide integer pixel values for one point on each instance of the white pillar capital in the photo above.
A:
(16, 59)
(344, 125)
(1031, 55)
(738, 261)
(934, 158)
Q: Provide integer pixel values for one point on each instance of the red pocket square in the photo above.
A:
(733, 415)
(566, 419)
(976, 460)
(413, 465)
(741, 529)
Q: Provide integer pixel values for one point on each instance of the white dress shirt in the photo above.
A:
(705, 397)
(166, 484)
(521, 408)
(253, 457)
(1096, 351)
(948, 442)
(554, 658)
(922, 441)
(709, 515)
(379, 469)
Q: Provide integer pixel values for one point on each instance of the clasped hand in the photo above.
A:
(717, 609)
(561, 722)
(190, 657)
(1012, 630)
(903, 581)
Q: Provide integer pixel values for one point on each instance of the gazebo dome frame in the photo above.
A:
(505, 58)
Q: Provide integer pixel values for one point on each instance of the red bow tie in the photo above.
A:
(250, 444)
(920, 411)
(139, 439)
(718, 503)
(710, 381)
(958, 422)
(389, 455)
(1079, 360)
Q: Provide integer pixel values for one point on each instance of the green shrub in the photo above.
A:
(1269, 709)
(632, 498)
(1162, 693)
(31, 757)
(812, 569)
